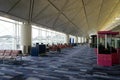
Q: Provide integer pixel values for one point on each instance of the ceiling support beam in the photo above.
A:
(99, 13)
(31, 10)
(85, 14)
(13, 16)
(41, 11)
(105, 21)
(59, 13)
(13, 6)
(77, 28)
(78, 12)
(72, 3)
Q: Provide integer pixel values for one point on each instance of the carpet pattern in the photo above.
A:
(78, 63)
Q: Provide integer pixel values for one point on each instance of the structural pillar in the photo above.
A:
(80, 39)
(26, 32)
(84, 39)
(67, 38)
(76, 39)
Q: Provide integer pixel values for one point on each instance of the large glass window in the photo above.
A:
(79, 40)
(46, 36)
(35, 35)
(9, 34)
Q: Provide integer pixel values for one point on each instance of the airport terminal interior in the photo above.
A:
(59, 39)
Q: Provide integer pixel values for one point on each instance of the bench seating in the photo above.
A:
(61, 46)
(2, 54)
(9, 54)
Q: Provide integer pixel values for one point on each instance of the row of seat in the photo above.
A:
(60, 46)
(9, 54)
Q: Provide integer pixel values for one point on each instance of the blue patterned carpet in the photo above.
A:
(78, 63)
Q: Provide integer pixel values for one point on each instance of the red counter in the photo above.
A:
(108, 59)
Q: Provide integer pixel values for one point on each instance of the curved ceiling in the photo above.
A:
(76, 17)
(117, 28)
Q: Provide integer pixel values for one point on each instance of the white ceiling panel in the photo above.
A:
(78, 17)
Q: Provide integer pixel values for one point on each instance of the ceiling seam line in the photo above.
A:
(41, 11)
(29, 10)
(72, 18)
(77, 13)
(64, 15)
(99, 13)
(111, 12)
(13, 15)
(85, 14)
(13, 6)
(59, 13)
(32, 9)
(72, 23)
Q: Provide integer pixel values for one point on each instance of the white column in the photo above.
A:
(26, 32)
(67, 38)
(83, 39)
(76, 39)
(87, 39)
(80, 39)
